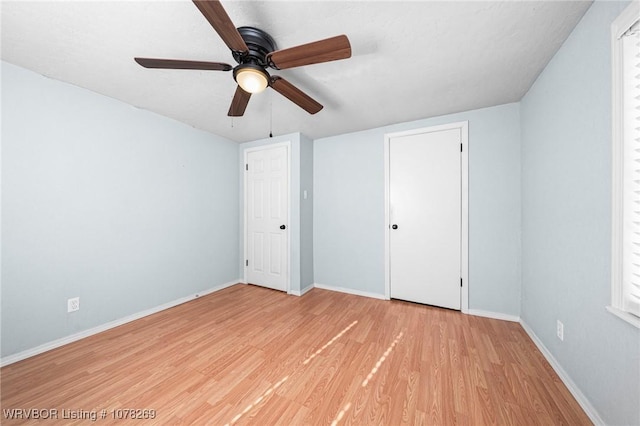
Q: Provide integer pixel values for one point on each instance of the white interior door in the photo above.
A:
(425, 212)
(267, 174)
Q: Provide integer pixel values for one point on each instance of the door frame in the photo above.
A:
(246, 152)
(464, 243)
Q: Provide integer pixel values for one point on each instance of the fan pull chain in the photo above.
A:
(270, 114)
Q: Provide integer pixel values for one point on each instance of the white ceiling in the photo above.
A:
(410, 60)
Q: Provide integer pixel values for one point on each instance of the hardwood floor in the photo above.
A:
(248, 355)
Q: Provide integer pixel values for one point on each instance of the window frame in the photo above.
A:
(619, 26)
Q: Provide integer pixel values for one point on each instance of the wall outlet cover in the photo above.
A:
(73, 304)
(560, 330)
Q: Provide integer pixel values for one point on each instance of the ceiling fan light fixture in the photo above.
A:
(251, 78)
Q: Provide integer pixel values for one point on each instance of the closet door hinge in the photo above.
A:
(460, 281)
(246, 262)
(246, 167)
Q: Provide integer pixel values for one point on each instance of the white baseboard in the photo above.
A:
(350, 291)
(573, 388)
(303, 291)
(10, 359)
(494, 315)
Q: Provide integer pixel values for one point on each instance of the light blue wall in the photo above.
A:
(306, 212)
(566, 214)
(121, 207)
(349, 207)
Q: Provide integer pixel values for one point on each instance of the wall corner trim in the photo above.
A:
(10, 359)
(303, 291)
(570, 384)
(494, 315)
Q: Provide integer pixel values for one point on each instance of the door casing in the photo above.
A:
(246, 152)
(464, 243)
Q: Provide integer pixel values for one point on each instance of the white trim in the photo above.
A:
(494, 315)
(303, 291)
(350, 291)
(289, 213)
(566, 379)
(625, 20)
(10, 359)
(464, 243)
(619, 26)
(387, 221)
(625, 316)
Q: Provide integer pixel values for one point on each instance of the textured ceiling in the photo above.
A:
(410, 60)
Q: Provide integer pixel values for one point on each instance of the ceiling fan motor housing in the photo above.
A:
(259, 43)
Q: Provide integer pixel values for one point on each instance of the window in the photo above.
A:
(625, 295)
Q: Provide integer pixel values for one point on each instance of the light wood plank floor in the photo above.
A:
(248, 355)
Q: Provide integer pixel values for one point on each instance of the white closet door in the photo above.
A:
(267, 217)
(425, 215)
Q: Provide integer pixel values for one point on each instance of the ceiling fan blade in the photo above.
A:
(220, 21)
(295, 95)
(330, 49)
(176, 64)
(239, 103)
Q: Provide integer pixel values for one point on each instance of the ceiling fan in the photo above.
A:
(254, 50)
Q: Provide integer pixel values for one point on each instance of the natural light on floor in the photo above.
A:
(278, 384)
(374, 370)
(336, 337)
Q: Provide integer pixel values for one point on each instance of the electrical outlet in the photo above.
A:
(560, 330)
(73, 304)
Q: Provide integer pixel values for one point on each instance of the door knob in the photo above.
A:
(283, 227)
(394, 226)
